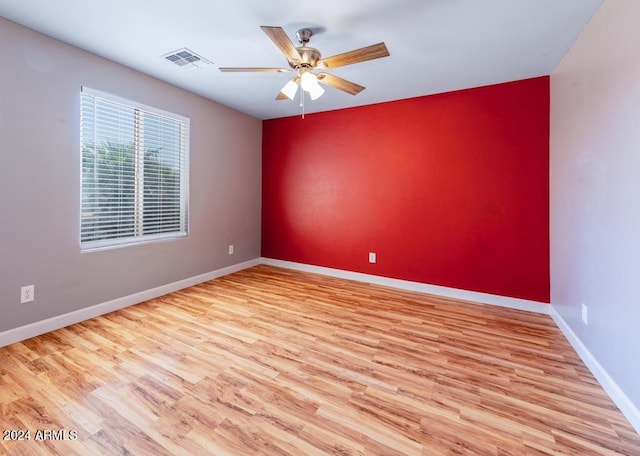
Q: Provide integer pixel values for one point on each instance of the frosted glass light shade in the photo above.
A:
(316, 92)
(309, 83)
(290, 89)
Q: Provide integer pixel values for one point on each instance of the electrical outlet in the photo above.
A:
(585, 314)
(230, 249)
(372, 257)
(27, 294)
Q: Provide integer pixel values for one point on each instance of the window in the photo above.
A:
(134, 172)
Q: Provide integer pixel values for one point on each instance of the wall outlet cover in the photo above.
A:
(27, 294)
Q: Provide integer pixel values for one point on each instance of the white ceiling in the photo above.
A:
(436, 45)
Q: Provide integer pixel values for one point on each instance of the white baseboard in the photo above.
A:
(626, 406)
(465, 295)
(51, 324)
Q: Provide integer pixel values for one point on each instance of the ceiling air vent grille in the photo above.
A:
(186, 58)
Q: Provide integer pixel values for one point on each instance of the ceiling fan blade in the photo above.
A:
(282, 41)
(375, 51)
(340, 84)
(252, 70)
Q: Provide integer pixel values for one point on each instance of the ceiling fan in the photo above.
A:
(304, 60)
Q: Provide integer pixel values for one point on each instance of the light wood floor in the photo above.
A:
(271, 361)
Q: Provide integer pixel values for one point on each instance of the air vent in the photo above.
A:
(186, 59)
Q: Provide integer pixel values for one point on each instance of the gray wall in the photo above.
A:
(595, 190)
(40, 80)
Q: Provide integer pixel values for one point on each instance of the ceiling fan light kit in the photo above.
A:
(305, 59)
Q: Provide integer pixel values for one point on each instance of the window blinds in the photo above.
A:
(134, 172)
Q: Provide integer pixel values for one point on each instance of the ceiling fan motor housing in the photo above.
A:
(309, 58)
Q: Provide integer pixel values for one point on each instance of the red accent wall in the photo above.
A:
(449, 189)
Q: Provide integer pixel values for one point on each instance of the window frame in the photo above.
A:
(138, 236)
